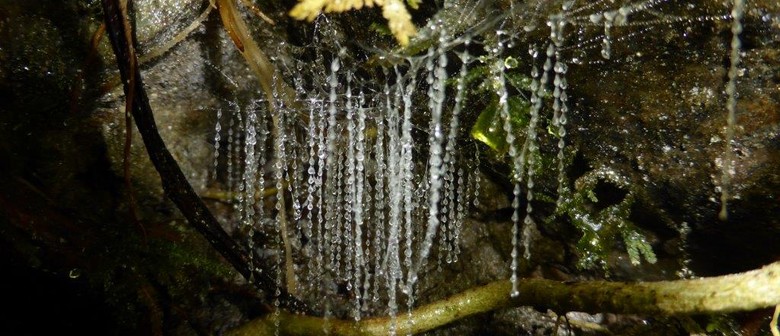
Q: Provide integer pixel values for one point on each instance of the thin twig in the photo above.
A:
(258, 12)
(132, 65)
(231, 197)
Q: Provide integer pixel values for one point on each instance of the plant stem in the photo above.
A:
(273, 89)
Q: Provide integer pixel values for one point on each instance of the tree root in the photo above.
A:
(174, 183)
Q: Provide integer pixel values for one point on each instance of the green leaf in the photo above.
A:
(637, 247)
(518, 81)
(479, 72)
(522, 82)
(381, 29)
(489, 128)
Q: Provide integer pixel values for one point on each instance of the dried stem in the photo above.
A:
(273, 89)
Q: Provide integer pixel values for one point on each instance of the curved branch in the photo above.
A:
(175, 184)
(737, 292)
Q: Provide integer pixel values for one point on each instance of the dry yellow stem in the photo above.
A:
(264, 70)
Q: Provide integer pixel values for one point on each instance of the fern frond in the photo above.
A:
(398, 18)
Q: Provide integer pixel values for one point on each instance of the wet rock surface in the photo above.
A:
(654, 114)
(659, 119)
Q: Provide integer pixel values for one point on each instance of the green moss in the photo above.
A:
(722, 325)
(601, 228)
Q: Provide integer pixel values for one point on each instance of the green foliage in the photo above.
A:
(474, 74)
(601, 228)
(380, 28)
(722, 325)
(518, 81)
(489, 129)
